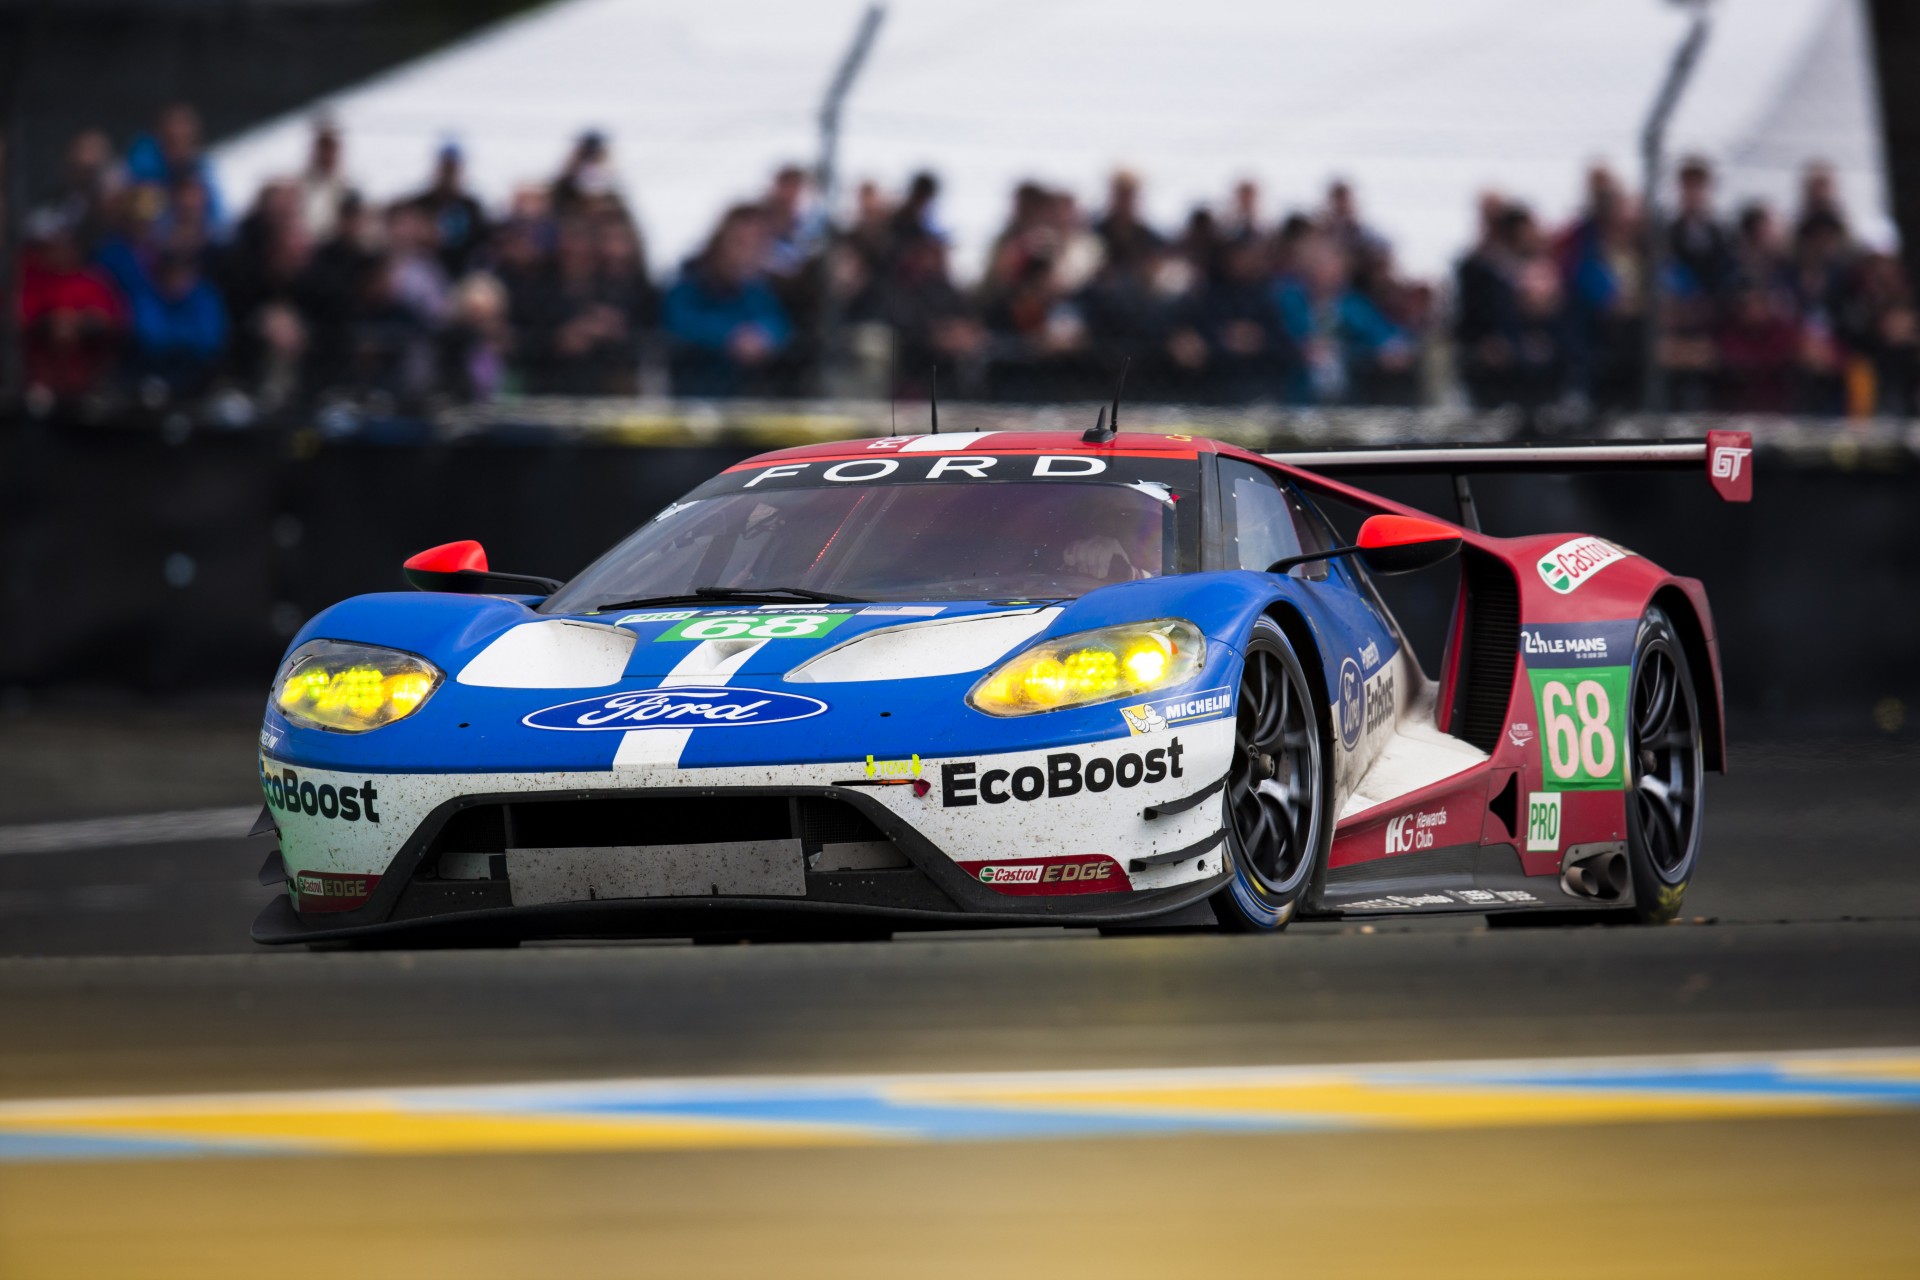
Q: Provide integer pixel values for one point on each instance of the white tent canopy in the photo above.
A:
(1422, 105)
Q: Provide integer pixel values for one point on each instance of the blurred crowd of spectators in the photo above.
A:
(1751, 316)
(139, 281)
(1229, 310)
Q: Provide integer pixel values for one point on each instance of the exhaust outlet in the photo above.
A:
(1601, 876)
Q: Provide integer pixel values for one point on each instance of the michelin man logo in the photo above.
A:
(1185, 708)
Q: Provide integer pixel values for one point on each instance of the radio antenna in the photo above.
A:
(933, 397)
(1107, 426)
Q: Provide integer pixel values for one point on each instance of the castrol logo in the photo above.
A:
(1571, 563)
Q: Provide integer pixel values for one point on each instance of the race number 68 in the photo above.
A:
(1579, 729)
(783, 627)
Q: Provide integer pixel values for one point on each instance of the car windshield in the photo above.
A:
(902, 541)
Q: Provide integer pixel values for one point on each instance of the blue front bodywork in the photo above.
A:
(466, 729)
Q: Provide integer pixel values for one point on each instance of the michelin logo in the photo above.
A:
(1158, 716)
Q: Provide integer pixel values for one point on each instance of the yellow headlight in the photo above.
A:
(351, 688)
(1093, 666)
(1147, 659)
(409, 689)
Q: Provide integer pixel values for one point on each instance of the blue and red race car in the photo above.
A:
(1002, 678)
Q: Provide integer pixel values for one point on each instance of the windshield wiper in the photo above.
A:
(755, 593)
(704, 595)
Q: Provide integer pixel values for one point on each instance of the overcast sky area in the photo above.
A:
(1421, 105)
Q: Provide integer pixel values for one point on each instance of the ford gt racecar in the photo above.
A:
(1002, 678)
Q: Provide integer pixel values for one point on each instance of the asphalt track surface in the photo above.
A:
(130, 977)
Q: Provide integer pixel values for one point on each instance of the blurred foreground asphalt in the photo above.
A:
(126, 1025)
(130, 973)
(1775, 1198)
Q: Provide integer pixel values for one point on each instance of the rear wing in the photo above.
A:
(1724, 456)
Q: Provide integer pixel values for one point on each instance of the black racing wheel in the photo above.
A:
(1665, 772)
(1278, 787)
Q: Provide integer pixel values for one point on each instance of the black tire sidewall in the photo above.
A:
(1245, 904)
(1657, 898)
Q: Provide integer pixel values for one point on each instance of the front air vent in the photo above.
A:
(639, 820)
(648, 820)
(823, 822)
(1492, 639)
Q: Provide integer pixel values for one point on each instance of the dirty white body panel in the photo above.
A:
(1090, 799)
(1414, 756)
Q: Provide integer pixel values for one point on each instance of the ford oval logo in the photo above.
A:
(679, 707)
(1352, 703)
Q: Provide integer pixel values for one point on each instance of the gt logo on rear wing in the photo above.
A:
(1729, 466)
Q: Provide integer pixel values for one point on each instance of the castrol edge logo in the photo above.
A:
(1571, 563)
(1083, 873)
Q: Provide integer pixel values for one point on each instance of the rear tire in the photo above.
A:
(1279, 782)
(1665, 761)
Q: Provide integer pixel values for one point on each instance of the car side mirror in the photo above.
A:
(461, 567)
(1390, 544)
(1402, 544)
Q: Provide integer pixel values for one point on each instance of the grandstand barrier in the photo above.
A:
(168, 560)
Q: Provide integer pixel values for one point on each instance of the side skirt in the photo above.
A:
(1466, 879)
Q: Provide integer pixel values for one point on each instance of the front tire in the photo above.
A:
(1278, 787)
(1665, 809)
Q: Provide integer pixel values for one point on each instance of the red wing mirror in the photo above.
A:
(461, 567)
(1390, 544)
(1402, 544)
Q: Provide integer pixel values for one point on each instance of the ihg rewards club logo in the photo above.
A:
(1065, 775)
(289, 794)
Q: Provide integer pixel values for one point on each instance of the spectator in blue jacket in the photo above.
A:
(727, 328)
(1341, 335)
(171, 156)
(1601, 258)
(179, 324)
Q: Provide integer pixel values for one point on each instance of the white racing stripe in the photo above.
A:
(145, 828)
(712, 662)
(560, 653)
(948, 442)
